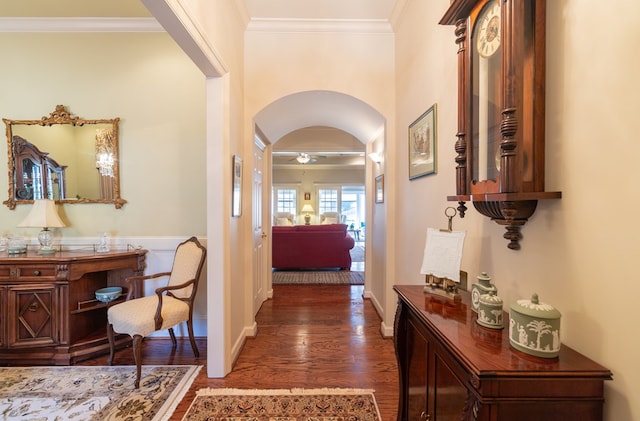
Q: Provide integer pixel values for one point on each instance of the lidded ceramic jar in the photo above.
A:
(534, 328)
(483, 286)
(490, 311)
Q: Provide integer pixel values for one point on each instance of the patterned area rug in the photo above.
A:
(318, 277)
(92, 393)
(283, 405)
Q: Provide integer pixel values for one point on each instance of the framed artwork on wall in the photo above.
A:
(307, 196)
(380, 188)
(236, 207)
(422, 144)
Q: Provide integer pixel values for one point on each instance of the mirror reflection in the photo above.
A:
(63, 158)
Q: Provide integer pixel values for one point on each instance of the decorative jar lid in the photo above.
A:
(535, 308)
(491, 299)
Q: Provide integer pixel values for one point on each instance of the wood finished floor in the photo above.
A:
(309, 336)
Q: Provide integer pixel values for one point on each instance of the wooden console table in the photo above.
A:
(48, 310)
(451, 368)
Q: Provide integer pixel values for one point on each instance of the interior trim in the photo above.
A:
(81, 24)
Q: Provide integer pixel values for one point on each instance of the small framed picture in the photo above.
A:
(380, 188)
(236, 209)
(422, 144)
(307, 196)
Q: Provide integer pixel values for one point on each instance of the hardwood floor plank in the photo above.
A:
(309, 336)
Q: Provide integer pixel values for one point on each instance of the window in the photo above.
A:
(286, 199)
(327, 200)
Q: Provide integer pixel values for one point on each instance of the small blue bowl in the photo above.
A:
(106, 295)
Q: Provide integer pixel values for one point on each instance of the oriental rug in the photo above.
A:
(325, 277)
(92, 393)
(283, 405)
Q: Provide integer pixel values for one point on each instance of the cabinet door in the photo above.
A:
(418, 348)
(32, 315)
(449, 394)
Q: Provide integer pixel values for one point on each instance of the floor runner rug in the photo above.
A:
(347, 277)
(283, 405)
(92, 393)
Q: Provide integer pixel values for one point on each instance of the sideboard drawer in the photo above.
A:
(28, 272)
(47, 272)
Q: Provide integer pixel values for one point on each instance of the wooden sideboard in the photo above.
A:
(48, 310)
(451, 368)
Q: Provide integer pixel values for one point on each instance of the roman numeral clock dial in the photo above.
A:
(488, 37)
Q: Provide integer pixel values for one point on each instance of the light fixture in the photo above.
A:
(43, 214)
(104, 152)
(306, 209)
(375, 157)
(303, 158)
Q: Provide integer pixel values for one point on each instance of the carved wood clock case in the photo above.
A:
(500, 146)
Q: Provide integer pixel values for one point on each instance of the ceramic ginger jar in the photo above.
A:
(534, 328)
(483, 286)
(490, 311)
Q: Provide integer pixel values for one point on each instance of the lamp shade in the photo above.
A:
(43, 215)
(307, 208)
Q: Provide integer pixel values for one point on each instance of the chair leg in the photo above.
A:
(173, 337)
(192, 339)
(112, 345)
(137, 356)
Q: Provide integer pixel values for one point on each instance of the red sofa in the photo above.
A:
(311, 247)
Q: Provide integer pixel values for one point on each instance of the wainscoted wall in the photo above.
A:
(159, 259)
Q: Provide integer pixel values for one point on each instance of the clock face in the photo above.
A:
(488, 29)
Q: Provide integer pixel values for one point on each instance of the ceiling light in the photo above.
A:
(303, 158)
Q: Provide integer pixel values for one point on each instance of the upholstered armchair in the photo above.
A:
(283, 219)
(168, 307)
(331, 218)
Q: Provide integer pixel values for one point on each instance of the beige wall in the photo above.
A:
(156, 91)
(578, 253)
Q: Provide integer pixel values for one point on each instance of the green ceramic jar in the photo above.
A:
(483, 286)
(534, 328)
(490, 311)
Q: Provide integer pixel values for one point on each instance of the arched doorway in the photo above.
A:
(323, 110)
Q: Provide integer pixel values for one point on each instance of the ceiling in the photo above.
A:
(320, 109)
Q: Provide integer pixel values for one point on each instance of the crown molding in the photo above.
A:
(379, 26)
(19, 24)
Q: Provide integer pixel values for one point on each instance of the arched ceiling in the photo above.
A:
(320, 108)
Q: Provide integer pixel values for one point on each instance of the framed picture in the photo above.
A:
(236, 200)
(307, 196)
(422, 144)
(380, 188)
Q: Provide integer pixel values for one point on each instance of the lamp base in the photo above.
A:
(307, 219)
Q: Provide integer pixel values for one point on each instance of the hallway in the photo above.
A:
(309, 336)
(315, 336)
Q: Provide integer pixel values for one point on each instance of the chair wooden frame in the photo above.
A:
(135, 286)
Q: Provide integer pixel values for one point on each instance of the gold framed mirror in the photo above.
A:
(63, 158)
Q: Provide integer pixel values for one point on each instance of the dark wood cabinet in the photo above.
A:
(48, 310)
(451, 368)
(37, 175)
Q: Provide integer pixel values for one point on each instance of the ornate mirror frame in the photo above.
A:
(108, 177)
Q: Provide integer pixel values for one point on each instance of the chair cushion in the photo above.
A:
(185, 268)
(136, 317)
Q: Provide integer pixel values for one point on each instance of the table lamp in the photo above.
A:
(307, 208)
(43, 214)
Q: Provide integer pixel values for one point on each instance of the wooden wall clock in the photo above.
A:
(501, 109)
